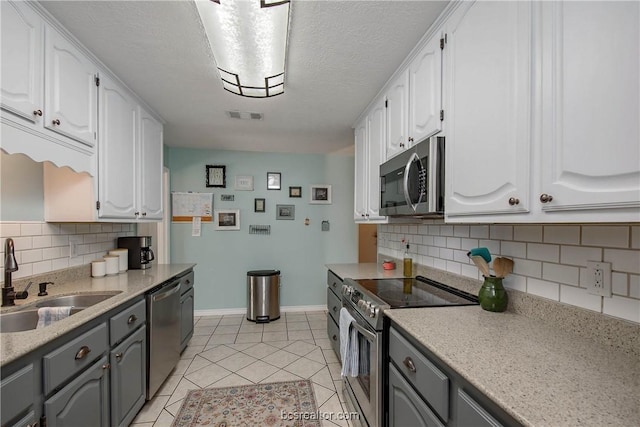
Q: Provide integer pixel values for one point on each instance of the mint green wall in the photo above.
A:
(21, 189)
(298, 251)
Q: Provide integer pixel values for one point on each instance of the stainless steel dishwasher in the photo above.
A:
(163, 333)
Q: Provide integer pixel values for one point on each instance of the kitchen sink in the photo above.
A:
(23, 320)
(26, 319)
(77, 301)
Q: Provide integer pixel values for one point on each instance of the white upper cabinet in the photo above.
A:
(71, 90)
(397, 102)
(425, 92)
(591, 114)
(118, 154)
(150, 169)
(488, 106)
(369, 146)
(22, 57)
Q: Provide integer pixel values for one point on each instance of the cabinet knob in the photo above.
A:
(335, 309)
(56, 122)
(362, 215)
(118, 356)
(137, 213)
(546, 198)
(402, 145)
(367, 215)
(144, 214)
(106, 366)
(335, 337)
(410, 139)
(82, 353)
(37, 113)
(132, 319)
(513, 201)
(409, 364)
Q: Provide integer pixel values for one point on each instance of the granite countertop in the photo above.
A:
(539, 374)
(132, 284)
(364, 271)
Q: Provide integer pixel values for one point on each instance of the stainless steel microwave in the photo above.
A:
(412, 183)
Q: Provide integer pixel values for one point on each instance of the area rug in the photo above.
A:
(290, 403)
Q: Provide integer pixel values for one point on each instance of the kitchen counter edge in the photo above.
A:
(133, 283)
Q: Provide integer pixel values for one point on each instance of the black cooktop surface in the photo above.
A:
(416, 292)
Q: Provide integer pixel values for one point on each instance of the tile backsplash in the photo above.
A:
(42, 247)
(550, 261)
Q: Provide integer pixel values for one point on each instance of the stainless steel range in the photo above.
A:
(366, 299)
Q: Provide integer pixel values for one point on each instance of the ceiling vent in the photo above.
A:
(242, 115)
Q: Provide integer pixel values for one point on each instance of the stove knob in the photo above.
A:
(347, 290)
(344, 289)
(362, 304)
(373, 311)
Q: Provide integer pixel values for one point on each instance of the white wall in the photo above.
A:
(550, 260)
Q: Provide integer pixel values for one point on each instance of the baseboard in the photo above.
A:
(243, 311)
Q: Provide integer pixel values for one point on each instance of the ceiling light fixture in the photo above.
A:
(249, 43)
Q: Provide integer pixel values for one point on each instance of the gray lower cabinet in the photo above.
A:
(128, 377)
(471, 414)
(82, 402)
(186, 308)
(406, 408)
(29, 420)
(18, 395)
(334, 304)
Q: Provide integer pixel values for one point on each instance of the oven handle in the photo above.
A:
(370, 336)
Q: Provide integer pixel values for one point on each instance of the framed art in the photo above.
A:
(258, 205)
(244, 183)
(273, 180)
(216, 176)
(320, 194)
(285, 211)
(227, 219)
(295, 191)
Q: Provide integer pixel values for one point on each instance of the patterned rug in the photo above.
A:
(290, 403)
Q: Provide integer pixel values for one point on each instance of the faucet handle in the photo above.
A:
(43, 288)
(24, 294)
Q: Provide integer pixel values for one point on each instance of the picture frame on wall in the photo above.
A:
(216, 176)
(320, 194)
(295, 191)
(243, 183)
(227, 219)
(286, 212)
(273, 180)
(258, 205)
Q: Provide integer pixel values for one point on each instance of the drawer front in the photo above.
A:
(471, 414)
(334, 282)
(17, 393)
(186, 282)
(72, 357)
(334, 304)
(333, 330)
(127, 321)
(425, 377)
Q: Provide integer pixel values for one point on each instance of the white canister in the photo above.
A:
(113, 264)
(98, 268)
(123, 254)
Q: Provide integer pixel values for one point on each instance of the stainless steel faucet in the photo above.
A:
(10, 265)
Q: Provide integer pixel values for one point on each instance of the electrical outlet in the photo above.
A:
(73, 249)
(599, 278)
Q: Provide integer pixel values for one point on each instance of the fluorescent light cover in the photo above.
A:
(249, 42)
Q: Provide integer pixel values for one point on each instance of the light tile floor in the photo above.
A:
(230, 350)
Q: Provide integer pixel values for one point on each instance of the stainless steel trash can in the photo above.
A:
(263, 295)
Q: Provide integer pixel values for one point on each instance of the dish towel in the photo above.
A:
(49, 315)
(348, 345)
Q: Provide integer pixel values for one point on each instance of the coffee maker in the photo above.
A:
(140, 253)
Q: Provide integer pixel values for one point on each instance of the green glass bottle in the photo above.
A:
(492, 295)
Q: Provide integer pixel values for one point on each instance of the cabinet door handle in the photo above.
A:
(118, 356)
(82, 353)
(513, 201)
(409, 364)
(132, 319)
(546, 198)
(56, 122)
(37, 113)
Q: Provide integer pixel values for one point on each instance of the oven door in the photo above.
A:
(366, 388)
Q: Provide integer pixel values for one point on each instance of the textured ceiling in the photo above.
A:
(340, 55)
